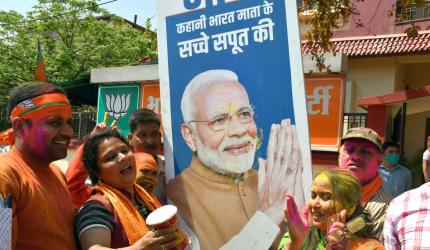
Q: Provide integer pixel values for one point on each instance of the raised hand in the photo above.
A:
(336, 236)
(98, 127)
(102, 125)
(297, 223)
(281, 173)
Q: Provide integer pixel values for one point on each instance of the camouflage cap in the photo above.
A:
(363, 133)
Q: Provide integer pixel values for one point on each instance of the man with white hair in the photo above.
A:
(219, 192)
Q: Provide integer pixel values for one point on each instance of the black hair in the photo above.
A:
(91, 147)
(143, 116)
(29, 90)
(389, 144)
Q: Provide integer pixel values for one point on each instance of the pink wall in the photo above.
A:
(374, 16)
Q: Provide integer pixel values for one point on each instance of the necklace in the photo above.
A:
(140, 206)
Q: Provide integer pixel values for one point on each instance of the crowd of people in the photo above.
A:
(366, 203)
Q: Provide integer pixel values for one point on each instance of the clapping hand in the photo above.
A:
(281, 173)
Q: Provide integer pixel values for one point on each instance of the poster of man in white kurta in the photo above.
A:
(234, 116)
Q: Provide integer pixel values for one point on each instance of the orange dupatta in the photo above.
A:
(365, 244)
(133, 223)
(369, 190)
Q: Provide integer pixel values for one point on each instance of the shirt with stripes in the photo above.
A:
(407, 223)
(376, 209)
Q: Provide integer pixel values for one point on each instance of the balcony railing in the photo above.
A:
(412, 12)
(353, 120)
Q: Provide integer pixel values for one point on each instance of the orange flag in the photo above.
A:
(40, 73)
(7, 137)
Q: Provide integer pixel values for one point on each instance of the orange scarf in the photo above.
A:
(369, 190)
(362, 243)
(133, 223)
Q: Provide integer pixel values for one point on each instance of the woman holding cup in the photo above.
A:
(337, 219)
(114, 216)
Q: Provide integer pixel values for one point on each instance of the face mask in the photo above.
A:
(392, 159)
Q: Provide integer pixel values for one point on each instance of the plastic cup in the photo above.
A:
(165, 218)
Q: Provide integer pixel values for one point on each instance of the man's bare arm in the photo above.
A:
(425, 171)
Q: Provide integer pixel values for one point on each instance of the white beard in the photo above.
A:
(226, 163)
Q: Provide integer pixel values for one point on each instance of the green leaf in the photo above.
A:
(74, 40)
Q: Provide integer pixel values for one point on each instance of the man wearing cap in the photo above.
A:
(361, 153)
(43, 212)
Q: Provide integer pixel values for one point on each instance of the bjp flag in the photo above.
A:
(325, 100)
(40, 72)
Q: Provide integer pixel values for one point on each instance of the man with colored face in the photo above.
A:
(220, 192)
(361, 153)
(396, 178)
(43, 212)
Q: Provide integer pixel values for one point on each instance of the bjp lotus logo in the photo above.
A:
(117, 105)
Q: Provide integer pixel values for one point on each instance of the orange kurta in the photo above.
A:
(214, 206)
(42, 210)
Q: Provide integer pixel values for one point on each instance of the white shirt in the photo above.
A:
(426, 155)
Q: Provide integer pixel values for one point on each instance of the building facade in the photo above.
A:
(386, 75)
